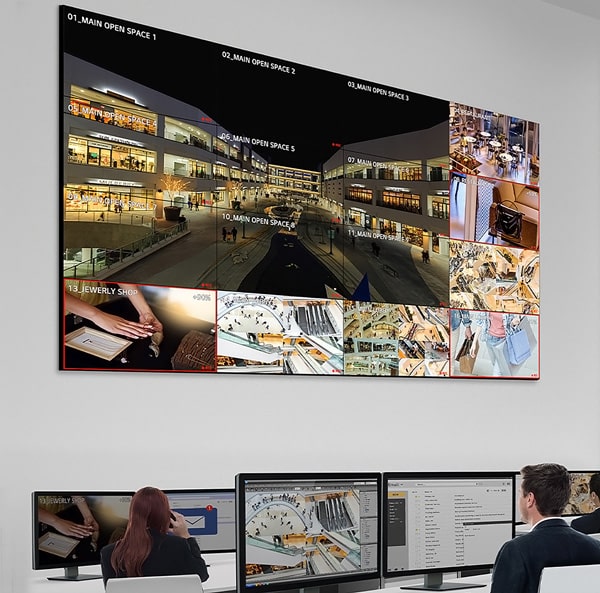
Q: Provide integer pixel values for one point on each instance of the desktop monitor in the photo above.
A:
(56, 514)
(579, 500)
(302, 530)
(210, 516)
(437, 522)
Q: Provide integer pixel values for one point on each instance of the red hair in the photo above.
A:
(149, 509)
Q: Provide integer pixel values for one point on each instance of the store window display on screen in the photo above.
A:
(444, 522)
(307, 530)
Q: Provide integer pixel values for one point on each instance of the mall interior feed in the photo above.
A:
(254, 240)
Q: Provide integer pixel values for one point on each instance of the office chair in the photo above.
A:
(181, 583)
(558, 579)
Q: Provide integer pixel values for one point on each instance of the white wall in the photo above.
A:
(92, 430)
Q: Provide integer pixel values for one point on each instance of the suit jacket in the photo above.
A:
(589, 523)
(553, 542)
(169, 555)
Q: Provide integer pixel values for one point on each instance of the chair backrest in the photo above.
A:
(181, 583)
(579, 579)
(595, 535)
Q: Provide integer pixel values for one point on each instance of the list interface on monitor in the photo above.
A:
(209, 515)
(446, 523)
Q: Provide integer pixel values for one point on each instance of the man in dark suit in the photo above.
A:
(545, 490)
(590, 523)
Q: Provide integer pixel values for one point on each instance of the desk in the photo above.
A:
(221, 578)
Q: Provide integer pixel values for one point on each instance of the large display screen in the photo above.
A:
(70, 528)
(443, 522)
(301, 530)
(209, 515)
(240, 213)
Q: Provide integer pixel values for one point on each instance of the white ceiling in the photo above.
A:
(589, 8)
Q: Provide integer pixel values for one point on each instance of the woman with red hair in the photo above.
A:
(156, 542)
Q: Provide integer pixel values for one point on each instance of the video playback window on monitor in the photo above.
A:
(56, 513)
(209, 515)
(445, 522)
(580, 502)
(307, 530)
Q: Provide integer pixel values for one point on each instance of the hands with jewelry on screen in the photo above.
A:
(90, 522)
(178, 525)
(147, 325)
(69, 528)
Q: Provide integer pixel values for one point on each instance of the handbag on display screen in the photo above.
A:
(517, 344)
(466, 362)
(507, 221)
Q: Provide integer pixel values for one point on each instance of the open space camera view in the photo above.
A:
(210, 225)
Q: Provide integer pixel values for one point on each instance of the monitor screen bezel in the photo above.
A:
(63, 562)
(317, 580)
(442, 475)
(203, 491)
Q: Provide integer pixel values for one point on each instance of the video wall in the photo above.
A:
(224, 211)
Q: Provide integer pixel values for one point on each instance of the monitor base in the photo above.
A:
(72, 574)
(443, 587)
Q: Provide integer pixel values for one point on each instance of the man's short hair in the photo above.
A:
(551, 486)
(595, 484)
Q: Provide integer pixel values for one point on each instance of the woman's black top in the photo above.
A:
(169, 555)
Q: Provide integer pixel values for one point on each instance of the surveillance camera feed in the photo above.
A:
(229, 234)
(307, 530)
(70, 528)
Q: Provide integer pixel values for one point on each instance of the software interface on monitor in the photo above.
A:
(433, 523)
(310, 529)
(210, 517)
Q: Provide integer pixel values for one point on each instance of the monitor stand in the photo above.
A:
(434, 582)
(72, 574)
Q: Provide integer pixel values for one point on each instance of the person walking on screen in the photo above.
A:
(156, 542)
(545, 491)
(590, 523)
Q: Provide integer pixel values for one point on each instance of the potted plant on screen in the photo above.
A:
(173, 186)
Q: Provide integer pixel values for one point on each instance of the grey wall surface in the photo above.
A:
(87, 430)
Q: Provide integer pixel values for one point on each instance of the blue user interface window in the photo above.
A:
(210, 516)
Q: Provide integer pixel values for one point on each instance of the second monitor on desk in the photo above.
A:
(441, 522)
